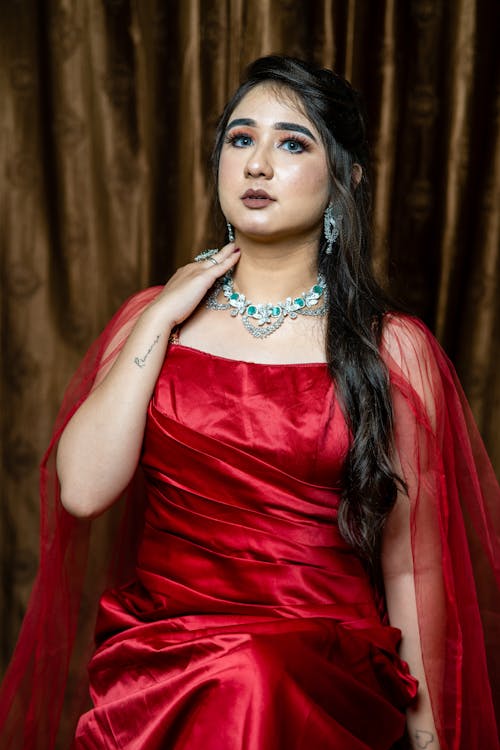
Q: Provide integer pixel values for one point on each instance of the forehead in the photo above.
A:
(267, 103)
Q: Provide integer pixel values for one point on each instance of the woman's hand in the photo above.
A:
(100, 446)
(184, 291)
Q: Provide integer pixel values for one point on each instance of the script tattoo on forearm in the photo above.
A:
(424, 739)
(141, 361)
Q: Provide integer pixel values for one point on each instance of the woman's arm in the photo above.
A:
(406, 348)
(425, 556)
(99, 449)
(397, 569)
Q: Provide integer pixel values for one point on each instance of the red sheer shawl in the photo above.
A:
(455, 535)
(455, 523)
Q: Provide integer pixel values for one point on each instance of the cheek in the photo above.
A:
(232, 161)
(309, 181)
(223, 169)
(225, 178)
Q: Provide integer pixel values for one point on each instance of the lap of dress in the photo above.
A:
(208, 684)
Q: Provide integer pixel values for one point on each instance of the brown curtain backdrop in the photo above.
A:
(107, 115)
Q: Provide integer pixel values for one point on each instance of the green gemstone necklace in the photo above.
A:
(263, 319)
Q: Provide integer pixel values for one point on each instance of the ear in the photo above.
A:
(356, 174)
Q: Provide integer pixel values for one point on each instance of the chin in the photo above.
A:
(257, 235)
(256, 229)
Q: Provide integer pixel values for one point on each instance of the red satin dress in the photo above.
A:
(250, 624)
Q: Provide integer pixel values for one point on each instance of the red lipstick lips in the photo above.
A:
(256, 199)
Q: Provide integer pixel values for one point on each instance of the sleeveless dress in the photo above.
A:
(250, 624)
(242, 621)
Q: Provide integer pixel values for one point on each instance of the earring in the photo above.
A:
(330, 228)
(230, 232)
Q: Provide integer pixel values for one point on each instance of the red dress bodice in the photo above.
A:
(242, 572)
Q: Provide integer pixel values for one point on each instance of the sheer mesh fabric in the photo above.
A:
(51, 647)
(455, 522)
(453, 493)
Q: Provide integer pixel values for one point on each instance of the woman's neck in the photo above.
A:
(272, 273)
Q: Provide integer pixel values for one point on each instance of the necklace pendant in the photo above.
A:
(261, 320)
(261, 330)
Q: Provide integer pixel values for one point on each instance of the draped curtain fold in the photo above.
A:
(108, 113)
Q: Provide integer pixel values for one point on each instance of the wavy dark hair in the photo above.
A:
(356, 302)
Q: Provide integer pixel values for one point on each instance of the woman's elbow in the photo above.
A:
(79, 497)
(79, 505)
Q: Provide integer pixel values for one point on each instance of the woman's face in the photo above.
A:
(273, 173)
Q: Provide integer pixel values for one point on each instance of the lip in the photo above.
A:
(256, 199)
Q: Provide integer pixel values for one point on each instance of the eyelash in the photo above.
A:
(303, 142)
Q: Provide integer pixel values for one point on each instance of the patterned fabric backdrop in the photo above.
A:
(108, 109)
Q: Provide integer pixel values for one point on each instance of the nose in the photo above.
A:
(259, 162)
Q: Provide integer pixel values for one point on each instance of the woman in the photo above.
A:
(302, 576)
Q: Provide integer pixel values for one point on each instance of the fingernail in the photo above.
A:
(236, 250)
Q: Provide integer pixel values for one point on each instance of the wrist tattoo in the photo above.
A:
(141, 361)
(424, 739)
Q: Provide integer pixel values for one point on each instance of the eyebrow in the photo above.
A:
(293, 126)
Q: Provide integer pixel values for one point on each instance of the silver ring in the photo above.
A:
(215, 262)
(206, 254)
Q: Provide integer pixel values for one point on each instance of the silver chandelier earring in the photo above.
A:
(330, 228)
(230, 232)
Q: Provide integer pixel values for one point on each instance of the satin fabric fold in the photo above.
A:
(243, 464)
(293, 661)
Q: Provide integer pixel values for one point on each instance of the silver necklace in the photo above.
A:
(263, 319)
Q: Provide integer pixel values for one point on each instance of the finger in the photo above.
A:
(224, 252)
(227, 249)
(211, 262)
(223, 260)
(212, 255)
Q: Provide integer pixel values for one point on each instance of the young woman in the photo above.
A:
(300, 575)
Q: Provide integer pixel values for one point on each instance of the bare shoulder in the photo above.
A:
(406, 340)
(411, 354)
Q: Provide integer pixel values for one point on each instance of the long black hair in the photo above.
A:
(356, 302)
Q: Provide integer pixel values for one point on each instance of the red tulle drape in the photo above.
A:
(455, 523)
(455, 502)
